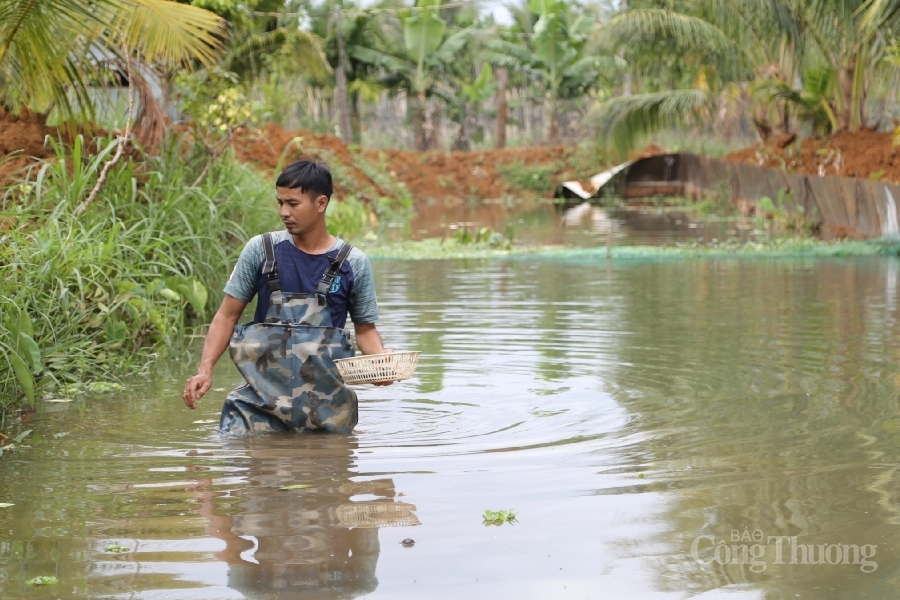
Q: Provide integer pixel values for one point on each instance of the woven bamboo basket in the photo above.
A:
(369, 368)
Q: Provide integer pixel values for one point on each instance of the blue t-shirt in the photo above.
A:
(353, 290)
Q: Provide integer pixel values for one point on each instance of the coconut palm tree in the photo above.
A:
(814, 60)
(52, 51)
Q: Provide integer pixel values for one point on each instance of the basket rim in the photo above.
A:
(363, 356)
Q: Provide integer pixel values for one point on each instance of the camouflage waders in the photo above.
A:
(291, 382)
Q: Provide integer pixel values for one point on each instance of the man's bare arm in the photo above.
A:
(369, 341)
(220, 331)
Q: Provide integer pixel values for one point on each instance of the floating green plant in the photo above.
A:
(499, 517)
(117, 548)
(43, 580)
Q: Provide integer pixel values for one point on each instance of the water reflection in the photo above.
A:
(319, 540)
(584, 224)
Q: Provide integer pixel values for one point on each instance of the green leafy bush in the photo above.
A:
(348, 218)
(95, 297)
(538, 179)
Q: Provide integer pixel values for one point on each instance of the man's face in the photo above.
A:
(298, 211)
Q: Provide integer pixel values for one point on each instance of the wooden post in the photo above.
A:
(609, 241)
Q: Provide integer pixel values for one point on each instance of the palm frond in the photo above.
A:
(651, 23)
(600, 64)
(367, 90)
(379, 59)
(52, 51)
(304, 47)
(878, 13)
(501, 60)
(516, 54)
(167, 31)
(451, 47)
(622, 122)
(44, 53)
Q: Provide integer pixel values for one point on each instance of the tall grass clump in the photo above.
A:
(93, 297)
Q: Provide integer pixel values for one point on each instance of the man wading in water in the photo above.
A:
(307, 281)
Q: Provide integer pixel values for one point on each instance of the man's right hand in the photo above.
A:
(216, 342)
(195, 387)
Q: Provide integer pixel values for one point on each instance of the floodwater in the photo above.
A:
(633, 414)
(577, 224)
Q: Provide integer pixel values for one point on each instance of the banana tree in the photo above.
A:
(557, 56)
(418, 68)
(467, 104)
(361, 30)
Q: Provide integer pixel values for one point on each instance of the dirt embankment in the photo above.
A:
(22, 140)
(427, 175)
(864, 154)
(453, 177)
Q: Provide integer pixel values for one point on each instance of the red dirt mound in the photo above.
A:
(427, 175)
(461, 175)
(265, 147)
(21, 141)
(865, 154)
(449, 177)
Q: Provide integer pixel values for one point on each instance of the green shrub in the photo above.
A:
(538, 179)
(96, 297)
(348, 218)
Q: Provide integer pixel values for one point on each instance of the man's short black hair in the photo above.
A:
(311, 177)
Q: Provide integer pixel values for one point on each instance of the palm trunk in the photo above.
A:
(845, 96)
(433, 127)
(502, 108)
(341, 76)
(420, 123)
(554, 122)
(857, 93)
(355, 118)
(464, 137)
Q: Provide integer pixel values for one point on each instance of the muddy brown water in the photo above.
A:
(585, 224)
(634, 415)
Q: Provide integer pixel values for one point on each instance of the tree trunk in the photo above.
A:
(341, 76)
(434, 129)
(463, 141)
(420, 123)
(502, 108)
(845, 91)
(355, 118)
(554, 121)
(626, 91)
(859, 90)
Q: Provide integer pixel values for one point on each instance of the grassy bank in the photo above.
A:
(441, 249)
(89, 299)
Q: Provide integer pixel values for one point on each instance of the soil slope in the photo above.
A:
(453, 176)
(865, 154)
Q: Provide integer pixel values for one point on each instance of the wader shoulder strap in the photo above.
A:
(270, 267)
(333, 269)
